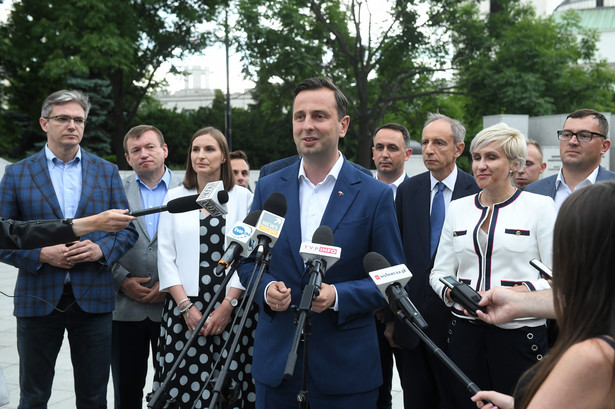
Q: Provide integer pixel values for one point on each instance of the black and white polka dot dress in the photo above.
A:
(204, 354)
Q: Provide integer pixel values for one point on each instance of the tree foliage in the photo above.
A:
(513, 62)
(46, 44)
(375, 58)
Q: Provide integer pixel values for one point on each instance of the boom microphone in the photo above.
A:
(179, 205)
(270, 223)
(391, 281)
(213, 198)
(242, 242)
(319, 254)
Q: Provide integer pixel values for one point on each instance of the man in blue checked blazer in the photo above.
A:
(67, 286)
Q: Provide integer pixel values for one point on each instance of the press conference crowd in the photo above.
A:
(283, 297)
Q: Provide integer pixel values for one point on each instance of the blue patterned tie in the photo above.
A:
(437, 217)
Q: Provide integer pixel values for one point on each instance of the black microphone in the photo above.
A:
(270, 223)
(179, 205)
(320, 254)
(242, 241)
(391, 281)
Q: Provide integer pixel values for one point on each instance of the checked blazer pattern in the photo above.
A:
(26, 193)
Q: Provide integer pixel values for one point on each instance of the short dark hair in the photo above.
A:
(603, 124)
(239, 154)
(341, 103)
(396, 127)
(137, 131)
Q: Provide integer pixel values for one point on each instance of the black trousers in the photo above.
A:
(492, 357)
(386, 362)
(131, 343)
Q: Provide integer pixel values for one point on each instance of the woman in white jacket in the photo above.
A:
(488, 240)
(190, 245)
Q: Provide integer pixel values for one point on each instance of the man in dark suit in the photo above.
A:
(323, 189)
(583, 142)
(424, 379)
(64, 287)
(138, 303)
(390, 152)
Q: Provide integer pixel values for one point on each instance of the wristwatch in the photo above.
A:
(232, 301)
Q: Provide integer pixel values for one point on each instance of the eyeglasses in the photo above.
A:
(582, 136)
(64, 119)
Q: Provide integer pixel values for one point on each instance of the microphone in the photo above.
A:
(270, 223)
(179, 205)
(391, 281)
(319, 254)
(213, 198)
(242, 242)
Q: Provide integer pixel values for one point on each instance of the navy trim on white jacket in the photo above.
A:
(520, 229)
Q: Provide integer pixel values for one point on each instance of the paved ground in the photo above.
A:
(63, 395)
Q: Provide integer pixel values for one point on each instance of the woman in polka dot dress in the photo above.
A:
(189, 247)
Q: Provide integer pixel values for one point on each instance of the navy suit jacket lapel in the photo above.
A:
(344, 193)
(463, 184)
(422, 219)
(39, 172)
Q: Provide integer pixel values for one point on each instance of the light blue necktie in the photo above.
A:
(437, 217)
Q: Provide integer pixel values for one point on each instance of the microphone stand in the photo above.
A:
(231, 352)
(304, 312)
(160, 399)
(470, 386)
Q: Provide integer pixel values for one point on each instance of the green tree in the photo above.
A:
(375, 61)
(513, 62)
(123, 43)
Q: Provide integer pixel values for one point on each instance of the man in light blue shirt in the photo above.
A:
(138, 303)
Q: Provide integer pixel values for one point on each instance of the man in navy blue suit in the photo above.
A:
(66, 287)
(343, 367)
(390, 152)
(582, 143)
(423, 378)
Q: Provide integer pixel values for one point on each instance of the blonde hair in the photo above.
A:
(512, 142)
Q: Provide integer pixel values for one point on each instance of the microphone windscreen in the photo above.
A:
(223, 196)
(374, 261)
(323, 235)
(276, 204)
(252, 217)
(183, 204)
